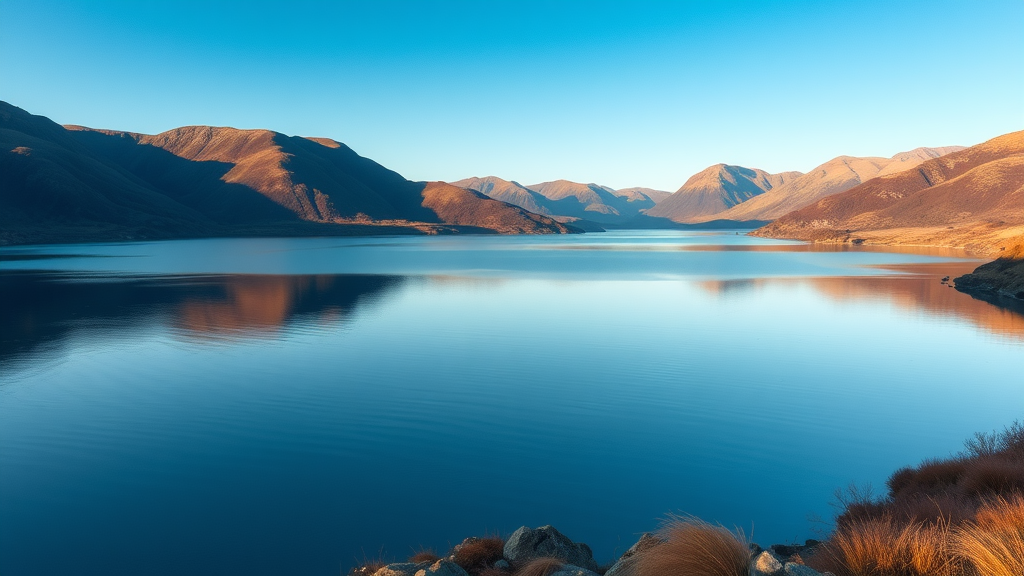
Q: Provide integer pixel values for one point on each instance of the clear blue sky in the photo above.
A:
(620, 93)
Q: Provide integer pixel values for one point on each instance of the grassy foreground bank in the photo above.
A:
(956, 516)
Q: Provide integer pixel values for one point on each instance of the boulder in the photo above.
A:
(570, 570)
(793, 569)
(766, 564)
(525, 544)
(401, 569)
(442, 568)
(625, 564)
(502, 565)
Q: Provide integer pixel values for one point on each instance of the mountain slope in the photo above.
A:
(716, 189)
(50, 184)
(837, 175)
(592, 201)
(569, 201)
(973, 198)
(507, 191)
(640, 193)
(66, 183)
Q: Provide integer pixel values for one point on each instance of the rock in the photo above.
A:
(525, 544)
(502, 564)
(570, 570)
(442, 568)
(401, 569)
(786, 550)
(793, 569)
(624, 566)
(766, 564)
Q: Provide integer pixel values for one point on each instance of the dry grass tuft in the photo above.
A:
(478, 554)
(541, 567)
(993, 545)
(424, 555)
(884, 546)
(693, 547)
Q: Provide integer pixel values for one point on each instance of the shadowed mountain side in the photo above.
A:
(470, 208)
(833, 177)
(202, 185)
(716, 189)
(40, 311)
(314, 180)
(922, 292)
(72, 184)
(973, 199)
(51, 182)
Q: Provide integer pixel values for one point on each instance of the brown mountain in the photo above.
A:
(835, 176)
(507, 191)
(569, 201)
(592, 201)
(973, 199)
(65, 184)
(640, 193)
(715, 190)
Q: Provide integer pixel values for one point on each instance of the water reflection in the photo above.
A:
(40, 311)
(914, 288)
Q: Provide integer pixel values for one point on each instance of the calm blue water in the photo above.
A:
(292, 406)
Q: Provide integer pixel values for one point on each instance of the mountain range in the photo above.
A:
(570, 201)
(971, 198)
(714, 190)
(73, 183)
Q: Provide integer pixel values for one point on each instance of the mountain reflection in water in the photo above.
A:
(913, 288)
(41, 310)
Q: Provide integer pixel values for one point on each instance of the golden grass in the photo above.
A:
(693, 547)
(993, 545)
(885, 547)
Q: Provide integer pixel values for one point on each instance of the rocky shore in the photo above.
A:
(545, 551)
(1000, 279)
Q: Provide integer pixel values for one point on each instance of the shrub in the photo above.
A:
(962, 516)
(693, 547)
(424, 555)
(477, 554)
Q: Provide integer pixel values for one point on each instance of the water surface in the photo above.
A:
(289, 406)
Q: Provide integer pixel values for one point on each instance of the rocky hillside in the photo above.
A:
(60, 184)
(833, 177)
(716, 189)
(972, 199)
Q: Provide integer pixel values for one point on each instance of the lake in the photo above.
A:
(292, 406)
